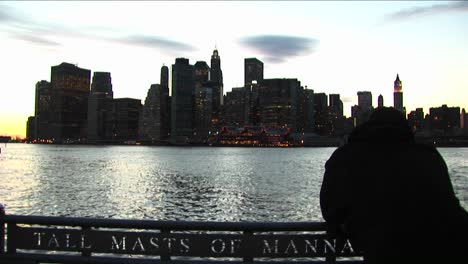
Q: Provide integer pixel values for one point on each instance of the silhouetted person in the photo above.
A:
(393, 197)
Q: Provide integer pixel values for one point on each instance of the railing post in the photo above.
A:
(165, 254)
(247, 237)
(2, 229)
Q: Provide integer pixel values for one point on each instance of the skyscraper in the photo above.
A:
(279, 101)
(183, 88)
(336, 105)
(398, 95)
(365, 100)
(253, 70)
(98, 106)
(216, 76)
(43, 112)
(362, 111)
(380, 102)
(70, 91)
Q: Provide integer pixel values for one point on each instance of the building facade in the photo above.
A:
(183, 88)
(98, 106)
(253, 71)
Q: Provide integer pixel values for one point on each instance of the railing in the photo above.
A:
(35, 239)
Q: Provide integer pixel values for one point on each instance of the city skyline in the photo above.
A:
(340, 47)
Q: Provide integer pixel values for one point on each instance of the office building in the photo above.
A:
(279, 101)
(380, 102)
(69, 103)
(98, 106)
(39, 127)
(398, 95)
(445, 119)
(183, 88)
(253, 71)
(122, 126)
(203, 103)
(216, 76)
(416, 119)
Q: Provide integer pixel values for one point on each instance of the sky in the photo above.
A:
(334, 47)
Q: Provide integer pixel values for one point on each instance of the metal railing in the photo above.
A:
(48, 239)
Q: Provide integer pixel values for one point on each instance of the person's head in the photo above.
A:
(385, 124)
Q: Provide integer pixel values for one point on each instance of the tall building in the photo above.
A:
(445, 119)
(216, 76)
(335, 115)
(123, 124)
(203, 103)
(40, 125)
(365, 100)
(69, 102)
(398, 95)
(98, 106)
(322, 121)
(201, 72)
(416, 119)
(335, 104)
(164, 79)
(279, 101)
(155, 118)
(253, 70)
(361, 112)
(307, 124)
(183, 88)
(380, 102)
(236, 107)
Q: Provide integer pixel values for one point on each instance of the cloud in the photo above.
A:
(156, 42)
(428, 10)
(22, 28)
(6, 14)
(279, 48)
(37, 40)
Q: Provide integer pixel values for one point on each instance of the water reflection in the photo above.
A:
(164, 183)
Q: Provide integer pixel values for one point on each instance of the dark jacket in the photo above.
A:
(394, 198)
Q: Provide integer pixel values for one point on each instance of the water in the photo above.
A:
(169, 183)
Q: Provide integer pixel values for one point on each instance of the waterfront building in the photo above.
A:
(122, 127)
(253, 71)
(279, 101)
(362, 111)
(444, 119)
(398, 95)
(307, 111)
(154, 125)
(416, 119)
(165, 108)
(63, 108)
(380, 102)
(98, 106)
(254, 136)
(203, 103)
(365, 100)
(151, 127)
(335, 115)
(322, 122)
(183, 88)
(216, 76)
(39, 127)
(237, 107)
(335, 105)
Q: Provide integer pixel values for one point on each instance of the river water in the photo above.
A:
(175, 183)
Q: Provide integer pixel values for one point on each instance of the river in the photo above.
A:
(175, 183)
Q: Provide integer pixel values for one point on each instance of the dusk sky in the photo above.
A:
(331, 47)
